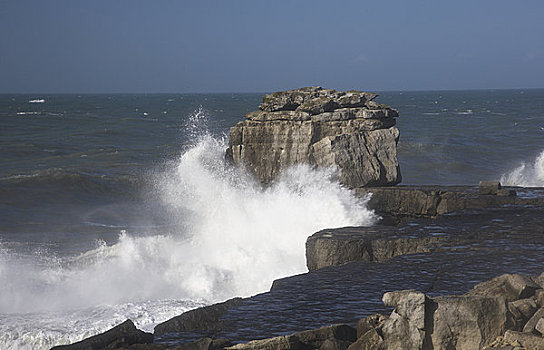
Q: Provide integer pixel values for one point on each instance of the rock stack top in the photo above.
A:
(322, 128)
(308, 102)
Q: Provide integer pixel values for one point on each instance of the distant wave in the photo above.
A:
(41, 100)
(65, 179)
(527, 174)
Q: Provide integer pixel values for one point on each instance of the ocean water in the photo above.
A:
(120, 206)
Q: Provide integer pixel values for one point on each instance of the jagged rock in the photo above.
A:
(452, 322)
(511, 286)
(120, 336)
(370, 340)
(540, 326)
(540, 280)
(370, 322)
(321, 128)
(339, 335)
(521, 311)
(404, 329)
(531, 324)
(365, 158)
(539, 296)
(204, 318)
(527, 341)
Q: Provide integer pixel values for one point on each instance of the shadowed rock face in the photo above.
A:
(322, 128)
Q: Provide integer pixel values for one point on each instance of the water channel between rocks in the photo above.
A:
(485, 243)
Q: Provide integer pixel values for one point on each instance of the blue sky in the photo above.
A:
(255, 46)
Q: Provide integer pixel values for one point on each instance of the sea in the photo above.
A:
(116, 206)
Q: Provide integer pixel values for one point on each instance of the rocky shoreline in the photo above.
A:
(437, 251)
(425, 277)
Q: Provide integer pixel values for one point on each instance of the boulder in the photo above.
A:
(521, 311)
(452, 322)
(511, 286)
(370, 322)
(539, 296)
(371, 340)
(323, 128)
(404, 329)
(540, 326)
(121, 336)
(204, 318)
(527, 341)
(533, 321)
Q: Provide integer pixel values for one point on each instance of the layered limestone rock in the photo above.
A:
(322, 128)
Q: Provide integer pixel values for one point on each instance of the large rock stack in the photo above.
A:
(323, 128)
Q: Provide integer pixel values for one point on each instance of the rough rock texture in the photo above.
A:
(322, 128)
(204, 318)
(525, 340)
(335, 336)
(511, 286)
(431, 201)
(452, 322)
(119, 337)
(332, 247)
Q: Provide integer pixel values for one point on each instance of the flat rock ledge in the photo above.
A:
(431, 201)
(506, 312)
(323, 128)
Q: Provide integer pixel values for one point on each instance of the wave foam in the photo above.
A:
(526, 175)
(232, 238)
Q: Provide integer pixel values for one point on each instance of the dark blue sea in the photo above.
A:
(120, 206)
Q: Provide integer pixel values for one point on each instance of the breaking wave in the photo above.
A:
(232, 237)
(527, 175)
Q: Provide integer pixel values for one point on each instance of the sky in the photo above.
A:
(114, 46)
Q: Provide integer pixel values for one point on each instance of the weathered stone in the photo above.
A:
(540, 280)
(204, 318)
(322, 128)
(489, 187)
(370, 322)
(120, 336)
(314, 338)
(466, 322)
(370, 340)
(364, 159)
(340, 335)
(289, 100)
(539, 296)
(540, 326)
(521, 311)
(333, 247)
(335, 344)
(278, 115)
(404, 329)
(531, 324)
(511, 286)
(527, 341)
(453, 322)
(285, 342)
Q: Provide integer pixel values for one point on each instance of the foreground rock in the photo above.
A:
(205, 318)
(322, 128)
(330, 337)
(121, 336)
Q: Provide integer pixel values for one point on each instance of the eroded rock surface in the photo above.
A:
(322, 128)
